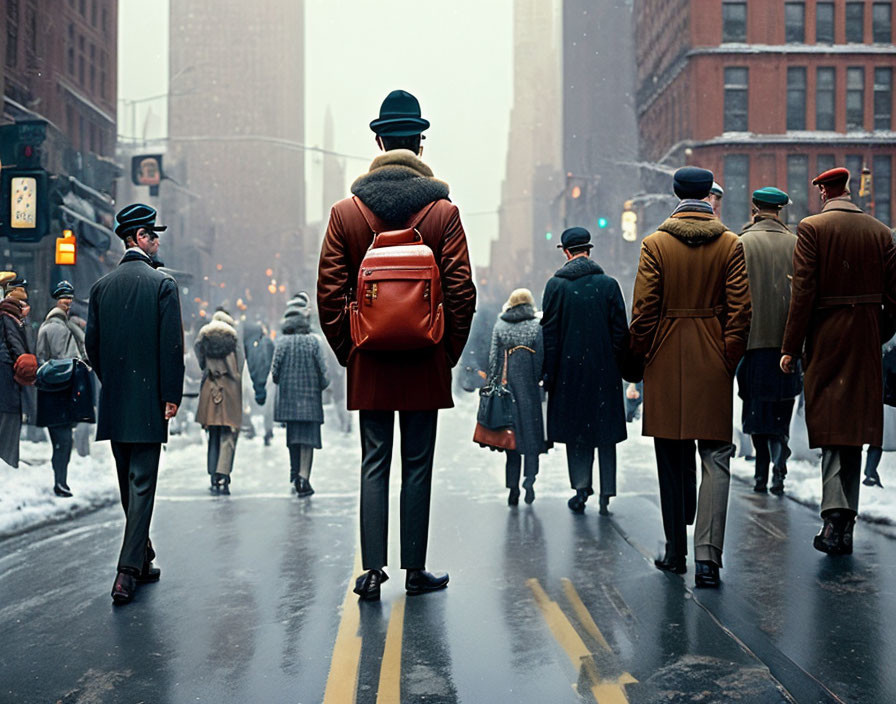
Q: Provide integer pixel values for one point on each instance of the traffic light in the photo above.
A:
(24, 204)
(602, 223)
(66, 249)
(629, 223)
(549, 236)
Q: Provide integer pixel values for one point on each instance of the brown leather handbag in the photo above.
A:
(398, 298)
(503, 439)
(496, 438)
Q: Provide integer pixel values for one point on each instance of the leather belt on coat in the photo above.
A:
(694, 312)
(837, 301)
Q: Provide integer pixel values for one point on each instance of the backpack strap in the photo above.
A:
(369, 215)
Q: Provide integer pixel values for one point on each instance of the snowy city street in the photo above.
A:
(543, 605)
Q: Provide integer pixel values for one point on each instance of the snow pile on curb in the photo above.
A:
(26, 493)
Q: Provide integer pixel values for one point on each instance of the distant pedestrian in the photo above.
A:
(300, 373)
(60, 339)
(220, 395)
(517, 349)
(15, 358)
(690, 321)
(398, 193)
(716, 193)
(135, 345)
(842, 306)
(875, 454)
(768, 393)
(585, 334)
(258, 349)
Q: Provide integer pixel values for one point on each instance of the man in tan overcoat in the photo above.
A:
(690, 320)
(842, 304)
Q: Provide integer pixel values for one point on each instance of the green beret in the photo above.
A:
(770, 196)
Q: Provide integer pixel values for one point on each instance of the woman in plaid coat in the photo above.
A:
(300, 373)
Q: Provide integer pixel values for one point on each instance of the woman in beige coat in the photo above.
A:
(220, 395)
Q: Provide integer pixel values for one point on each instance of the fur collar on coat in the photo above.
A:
(218, 338)
(13, 308)
(579, 267)
(398, 185)
(693, 231)
(517, 314)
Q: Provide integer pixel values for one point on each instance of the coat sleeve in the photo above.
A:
(92, 335)
(43, 345)
(171, 344)
(539, 355)
(550, 329)
(802, 290)
(738, 308)
(457, 287)
(647, 303)
(321, 366)
(277, 361)
(333, 289)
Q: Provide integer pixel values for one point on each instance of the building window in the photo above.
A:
(736, 203)
(92, 78)
(883, 187)
(824, 23)
(824, 162)
(855, 22)
(81, 69)
(93, 13)
(796, 98)
(81, 8)
(797, 187)
(736, 85)
(855, 98)
(825, 78)
(105, 20)
(103, 74)
(12, 33)
(734, 22)
(883, 98)
(795, 22)
(882, 22)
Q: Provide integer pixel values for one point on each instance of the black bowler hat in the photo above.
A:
(399, 116)
(692, 182)
(133, 217)
(575, 238)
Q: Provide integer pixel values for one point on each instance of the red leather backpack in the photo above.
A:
(398, 299)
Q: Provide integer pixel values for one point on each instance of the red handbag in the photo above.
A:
(503, 439)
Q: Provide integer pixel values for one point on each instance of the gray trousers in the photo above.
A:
(62, 438)
(221, 448)
(137, 464)
(677, 471)
(418, 441)
(300, 458)
(512, 467)
(841, 469)
(580, 461)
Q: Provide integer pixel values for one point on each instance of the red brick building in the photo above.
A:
(769, 92)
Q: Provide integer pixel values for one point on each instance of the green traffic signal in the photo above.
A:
(602, 223)
(549, 236)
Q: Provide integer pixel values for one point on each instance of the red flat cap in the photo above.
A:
(831, 176)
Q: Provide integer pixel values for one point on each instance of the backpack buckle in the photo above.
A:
(370, 292)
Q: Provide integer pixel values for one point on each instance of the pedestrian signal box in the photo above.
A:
(66, 249)
(24, 202)
(629, 225)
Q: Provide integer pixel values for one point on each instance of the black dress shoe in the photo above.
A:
(513, 498)
(303, 487)
(670, 563)
(777, 489)
(224, 483)
(150, 553)
(760, 487)
(706, 574)
(421, 582)
(872, 480)
(124, 588)
(367, 586)
(830, 538)
(577, 503)
(604, 509)
(60, 490)
(149, 573)
(530, 495)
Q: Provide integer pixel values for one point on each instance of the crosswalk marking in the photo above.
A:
(604, 691)
(342, 682)
(389, 690)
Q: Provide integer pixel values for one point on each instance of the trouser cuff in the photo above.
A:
(708, 553)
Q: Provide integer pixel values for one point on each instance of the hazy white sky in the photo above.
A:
(456, 57)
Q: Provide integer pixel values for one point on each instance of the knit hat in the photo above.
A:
(222, 317)
(299, 304)
(518, 297)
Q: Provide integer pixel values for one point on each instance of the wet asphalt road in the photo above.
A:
(543, 606)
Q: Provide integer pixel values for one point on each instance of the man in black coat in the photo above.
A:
(585, 332)
(135, 345)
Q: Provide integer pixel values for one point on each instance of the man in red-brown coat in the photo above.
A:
(843, 298)
(399, 191)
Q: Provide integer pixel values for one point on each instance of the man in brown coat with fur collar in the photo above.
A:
(690, 321)
(399, 191)
(843, 299)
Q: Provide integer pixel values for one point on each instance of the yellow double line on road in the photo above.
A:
(604, 690)
(342, 682)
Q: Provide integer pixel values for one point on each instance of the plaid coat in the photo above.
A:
(300, 373)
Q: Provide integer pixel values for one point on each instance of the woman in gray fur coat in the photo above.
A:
(300, 373)
(517, 334)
